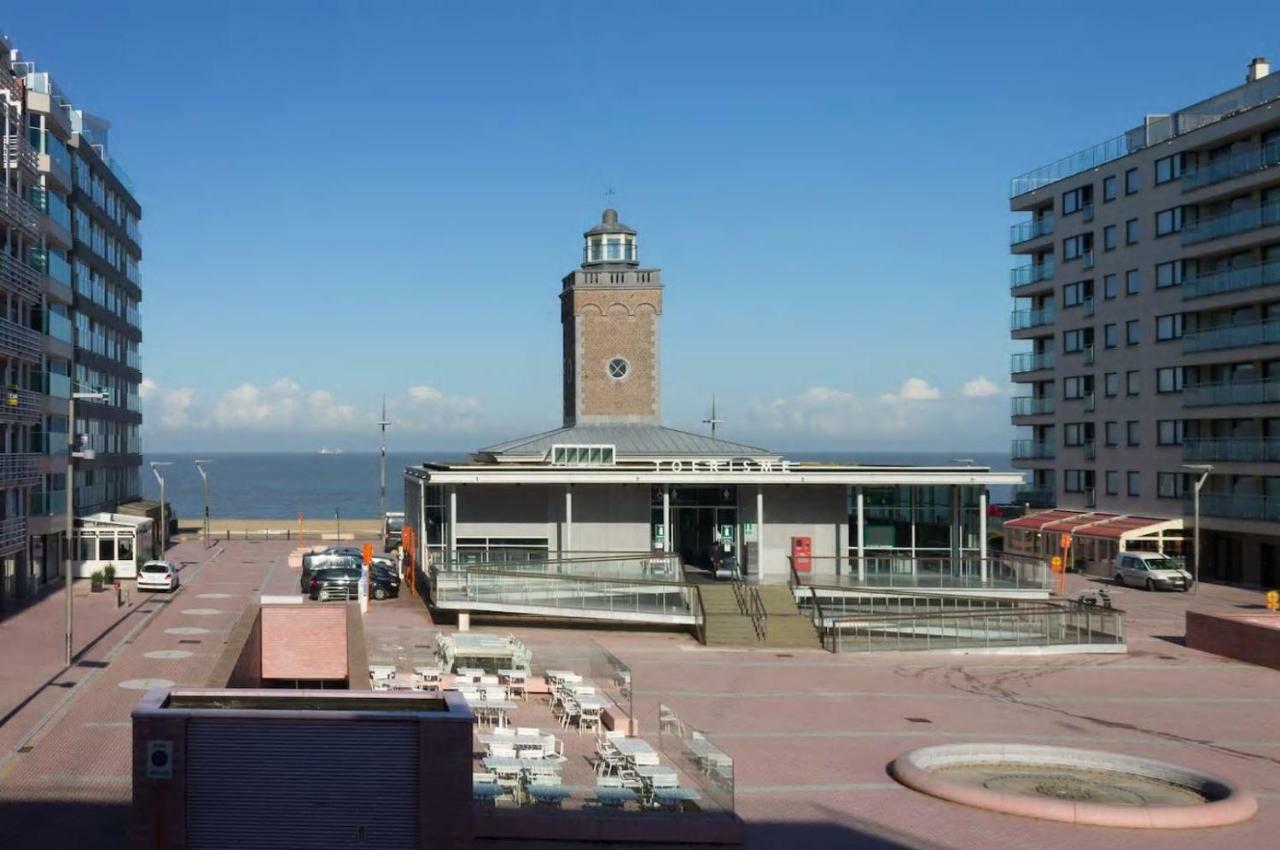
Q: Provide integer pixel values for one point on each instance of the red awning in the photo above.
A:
(1034, 522)
(1116, 528)
(1084, 523)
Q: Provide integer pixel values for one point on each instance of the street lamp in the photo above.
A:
(1204, 469)
(164, 519)
(382, 488)
(204, 492)
(87, 454)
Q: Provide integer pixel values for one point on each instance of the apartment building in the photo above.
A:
(69, 286)
(1147, 304)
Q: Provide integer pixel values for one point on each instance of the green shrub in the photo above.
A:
(109, 573)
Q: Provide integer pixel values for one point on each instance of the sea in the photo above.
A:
(281, 485)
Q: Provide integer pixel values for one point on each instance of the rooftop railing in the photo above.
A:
(1235, 165)
(1078, 162)
(1231, 280)
(1232, 449)
(1231, 392)
(1030, 361)
(1231, 223)
(1232, 336)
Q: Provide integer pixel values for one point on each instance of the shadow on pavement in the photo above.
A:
(35, 825)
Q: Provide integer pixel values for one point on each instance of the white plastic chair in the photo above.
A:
(504, 751)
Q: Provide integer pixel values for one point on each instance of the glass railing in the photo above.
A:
(1231, 280)
(58, 386)
(1031, 273)
(1231, 166)
(1231, 223)
(1231, 392)
(1024, 319)
(885, 570)
(1232, 506)
(1032, 450)
(58, 152)
(1030, 361)
(59, 211)
(1030, 405)
(1031, 229)
(133, 402)
(1078, 162)
(58, 268)
(1232, 336)
(58, 326)
(38, 197)
(708, 768)
(1233, 449)
(48, 504)
(1036, 497)
(132, 359)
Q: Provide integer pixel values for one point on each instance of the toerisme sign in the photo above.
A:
(738, 465)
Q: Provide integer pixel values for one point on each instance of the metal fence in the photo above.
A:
(701, 761)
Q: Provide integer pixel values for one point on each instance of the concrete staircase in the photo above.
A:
(726, 625)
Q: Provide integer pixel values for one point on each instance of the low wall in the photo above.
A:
(1252, 638)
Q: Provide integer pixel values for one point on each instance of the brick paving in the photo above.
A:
(811, 733)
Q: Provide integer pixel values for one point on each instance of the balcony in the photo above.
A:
(19, 404)
(1231, 280)
(58, 326)
(1077, 163)
(1030, 361)
(1232, 336)
(13, 534)
(1231, 223)
(1233, 449)
(1032, 405)
(19, 277)
(1025, 231)
(1032, 450)
(18, 469)
(1031, 273)
(20, 341)
(1236, 165)
(1231, 392)
(1231, 506)
(1022, 320)
(18, 212)
(18, 153)
(1034, 497)
(48, 504)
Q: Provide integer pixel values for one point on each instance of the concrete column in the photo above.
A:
(982, 534)
(568, 521)
(420, 556)
(666, 517)
(453, 525)
(862, 538)
(464, 621)
(760, 532)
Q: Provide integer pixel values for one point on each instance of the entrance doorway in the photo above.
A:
(701, 518)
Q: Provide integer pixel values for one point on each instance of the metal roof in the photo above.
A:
(628, 441)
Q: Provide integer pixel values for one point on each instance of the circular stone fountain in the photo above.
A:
(1076, 786)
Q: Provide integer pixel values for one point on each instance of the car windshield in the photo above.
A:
(154, 568)
(1162, 562)
(395, 523)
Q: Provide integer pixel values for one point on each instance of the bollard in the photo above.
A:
(119, 594)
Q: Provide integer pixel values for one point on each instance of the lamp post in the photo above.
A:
(87, 454)
(204, 493)
(164, 519)
(1204, 469)
(337, 517)
(382, 480)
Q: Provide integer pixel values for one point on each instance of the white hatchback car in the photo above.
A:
(158, 575)
(1151, 570)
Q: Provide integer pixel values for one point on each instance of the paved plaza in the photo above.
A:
(811, 733)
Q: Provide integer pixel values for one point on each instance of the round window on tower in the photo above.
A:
(617, 368)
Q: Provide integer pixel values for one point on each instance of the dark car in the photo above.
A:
(328, 559)
(392, 531)
(344, 583)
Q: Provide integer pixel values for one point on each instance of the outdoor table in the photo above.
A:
(648, 771)
(486, 791)
(671, 796)
(531, 742)
(564, 676)
(592, 701)
(620, 796)
(548, 793)
(381, 671)
(429, 672)
(632, 746)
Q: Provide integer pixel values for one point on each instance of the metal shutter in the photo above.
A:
(270, 785)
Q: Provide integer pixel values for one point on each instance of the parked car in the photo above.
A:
(1151, 570)
(328, 559)
(344, 583)
(158, 575)
(392, 530)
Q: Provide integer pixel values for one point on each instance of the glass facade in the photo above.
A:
(916, 518)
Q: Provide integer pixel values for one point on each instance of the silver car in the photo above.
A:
(1151, 570)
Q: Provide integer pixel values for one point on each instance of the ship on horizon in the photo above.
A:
(325, 450)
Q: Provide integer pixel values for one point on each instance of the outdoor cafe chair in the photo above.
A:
(588, 716)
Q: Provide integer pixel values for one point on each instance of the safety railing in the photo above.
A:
(705, 765)
(1031, 626)
(18, 276)
(1235, 165)
(1025, 231)
(752, 606)
(1031, 273)
(1233, 449)
(1021, 320)
(1032, 405)
(969, 571)
(1231, 223)
(1232, 336)
(1236, 506)
(1078, 162)
(1031, 361)
(16, 209)
(1235, 279)
(1231, 392)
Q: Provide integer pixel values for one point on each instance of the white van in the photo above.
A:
(1151, 570)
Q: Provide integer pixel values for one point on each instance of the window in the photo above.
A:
(1077, 480)
(1135, 483)
(1132, 282)
(1109, 237)
(1132, 432)
(1169, 379)
(1109, 189)
(1110, 288)
(1076, 247)
(1111, 433)
(1076, 433)
(1075, 341)
(1111, 384)
(1131, 382)
(1132, 181)
(1169, 274)
(617, 368)
(1076, 199)
(1110, 338)
(1169, 432)
(1169, 327)
(1168, 168)
(1131, 231)
(1171, 485)
(1075, 294)
(1077, 387)
(1132, 332)
(1168, 221)
(1113, 482)
(569, 455)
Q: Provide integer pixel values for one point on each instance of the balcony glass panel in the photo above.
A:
(1228, 224)
(1231, 392)
(58, 326)
(1232, 336)
(1235, 165)
(1031, 273)
(1024, 319)
(1027, 405)
(1029, 361)
(1233, 450)
(1031, 229)
(1032, 449)
(1264, 508)
(59, 386)
(58, 268)
(49, 504)
(1231, 280)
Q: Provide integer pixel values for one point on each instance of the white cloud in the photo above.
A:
(979, 387)
(916, 389)
(284, 406)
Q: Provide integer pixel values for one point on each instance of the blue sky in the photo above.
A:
(345, 199)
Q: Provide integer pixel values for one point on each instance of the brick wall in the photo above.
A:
(304, 642)
(617, 323)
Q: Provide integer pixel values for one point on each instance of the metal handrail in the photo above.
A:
(759, 614)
